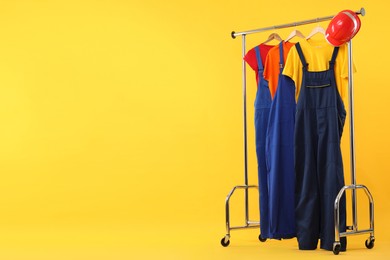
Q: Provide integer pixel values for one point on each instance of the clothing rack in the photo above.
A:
(351, 230)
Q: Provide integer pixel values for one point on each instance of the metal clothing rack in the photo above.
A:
(351, 230)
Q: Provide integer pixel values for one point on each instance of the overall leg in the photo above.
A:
(261, 122)
(330, 174)
(280, 160)
(306, 189)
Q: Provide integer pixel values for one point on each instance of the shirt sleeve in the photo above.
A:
(344, 66)
(268, 63)
(270, 70)
(293, 70)
(343, 71)
(250, 58)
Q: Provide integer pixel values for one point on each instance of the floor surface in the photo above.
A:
(164, 242)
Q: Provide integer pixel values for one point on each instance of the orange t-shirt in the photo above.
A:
(272, 66)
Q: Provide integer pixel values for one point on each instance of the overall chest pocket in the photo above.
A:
(318, 83)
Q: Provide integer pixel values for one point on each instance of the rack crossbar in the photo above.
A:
(287, 25)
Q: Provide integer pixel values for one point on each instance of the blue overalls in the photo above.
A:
(320, 118)
(280, 157)
(262, 107)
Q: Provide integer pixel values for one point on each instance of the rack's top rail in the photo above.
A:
(234, 34)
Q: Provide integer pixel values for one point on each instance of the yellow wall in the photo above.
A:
(129, 112)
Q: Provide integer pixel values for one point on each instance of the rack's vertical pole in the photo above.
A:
(245, 129)
(352, 135)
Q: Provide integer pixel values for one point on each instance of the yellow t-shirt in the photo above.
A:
(318, 53)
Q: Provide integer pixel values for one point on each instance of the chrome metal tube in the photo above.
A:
(337, 213)
(371, 201)
(355, 231)
(316, 20)
(352, 136)
(350, 233)
(245, 129)
(248, 224)
(244, 227)
(227, 212)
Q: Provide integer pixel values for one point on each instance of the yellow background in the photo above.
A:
(121, 126)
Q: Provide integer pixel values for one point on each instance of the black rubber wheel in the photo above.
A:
(370, 243)
(223, 243)
(336, 249)
(262, 239)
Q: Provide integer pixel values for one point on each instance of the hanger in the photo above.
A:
(317, 29)
(273, 36)
(294, 34)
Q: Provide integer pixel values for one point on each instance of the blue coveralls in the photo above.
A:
(280, 157)
(319, 173)
(262, 108)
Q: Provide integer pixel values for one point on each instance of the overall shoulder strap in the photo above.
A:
(258, 58)
(300, 53)
(281, 57)
(334, 56)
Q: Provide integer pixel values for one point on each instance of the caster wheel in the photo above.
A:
(262, 239)
(225, 243)
(336, 249)
(370, 243)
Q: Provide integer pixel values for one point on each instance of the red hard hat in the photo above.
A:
(343, 27)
